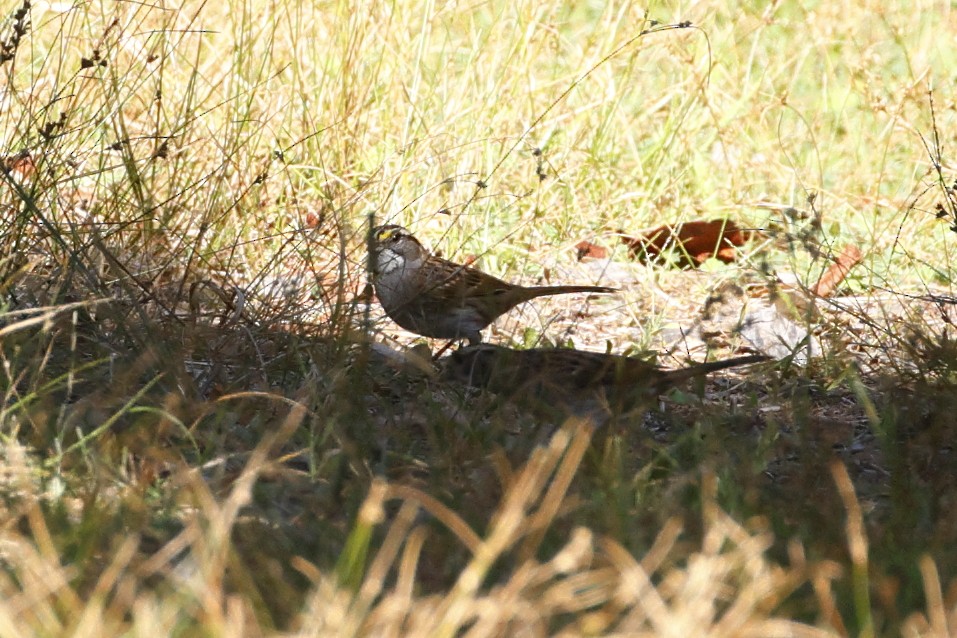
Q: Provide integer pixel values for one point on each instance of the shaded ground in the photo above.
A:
(768, 435)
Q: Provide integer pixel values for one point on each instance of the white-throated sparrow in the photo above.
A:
(573, 382)
(438, 298)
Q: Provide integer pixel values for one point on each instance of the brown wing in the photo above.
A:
(593, 370)
(591, 382)
(493, 296)
(458, 283)
(452, 280)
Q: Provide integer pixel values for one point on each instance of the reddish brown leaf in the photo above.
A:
(588, 249)
(313, 219)
(834, 275)
(692, 242)
(21, 165)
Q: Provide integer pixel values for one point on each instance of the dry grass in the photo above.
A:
(197, 436)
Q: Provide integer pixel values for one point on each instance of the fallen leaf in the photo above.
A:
(20, 165)
(314, 219)
(691, 242)
(588, 249)
(836, 273)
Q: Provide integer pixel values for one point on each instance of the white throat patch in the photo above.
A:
(389, 261)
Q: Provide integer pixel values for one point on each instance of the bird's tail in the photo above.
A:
(674, 377)
(543, 291)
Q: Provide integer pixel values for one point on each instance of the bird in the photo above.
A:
(438, 298)
(567, 382)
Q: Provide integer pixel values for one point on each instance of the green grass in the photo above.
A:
(198, 436)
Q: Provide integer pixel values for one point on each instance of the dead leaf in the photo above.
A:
(593, 251)
(314, 219)
(692, 242)
(20, 165)
(834, 275)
